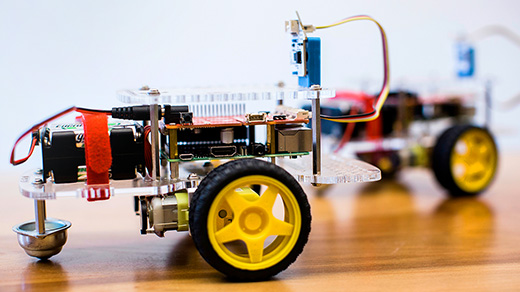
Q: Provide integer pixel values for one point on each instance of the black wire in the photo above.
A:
(348, 116)
(94, 110)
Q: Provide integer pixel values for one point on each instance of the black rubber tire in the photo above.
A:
(210, 187)
(441, 159)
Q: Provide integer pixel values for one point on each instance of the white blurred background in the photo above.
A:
(55, 54)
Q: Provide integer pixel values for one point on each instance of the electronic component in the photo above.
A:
(256, 117)
(298, 48)
(305, 54)
(177, 114)
(186, 156)
(292, 113)
(293, 139)
(279, 117)
(223, 151)
(227, 135)
(257, 149)
(211, 141)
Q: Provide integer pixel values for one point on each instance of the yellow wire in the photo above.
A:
(365, 119)
(384, 92)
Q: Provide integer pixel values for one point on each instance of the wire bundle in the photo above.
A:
(374, 114)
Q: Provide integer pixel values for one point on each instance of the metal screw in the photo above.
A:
(154, 91)
(315, 87)
(144, 87)
(193, 176)
(38, 181)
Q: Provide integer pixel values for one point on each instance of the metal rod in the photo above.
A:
(487, 96)
(40, 215)
(154, 121)
(316, 135)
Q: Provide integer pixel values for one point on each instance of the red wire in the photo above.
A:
(22, 160)
(348, 132)
(147, 149)
(38, 126)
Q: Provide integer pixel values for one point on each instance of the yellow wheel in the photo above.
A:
(465, 160)
(249, 234)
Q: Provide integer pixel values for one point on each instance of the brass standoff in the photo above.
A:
(173, 153)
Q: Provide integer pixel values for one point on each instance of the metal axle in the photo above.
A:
(40, 215)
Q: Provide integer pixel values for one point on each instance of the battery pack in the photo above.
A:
(63, 151)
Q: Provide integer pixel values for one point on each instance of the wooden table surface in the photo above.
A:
(401, 234)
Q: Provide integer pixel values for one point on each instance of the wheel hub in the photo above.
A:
(253, 220)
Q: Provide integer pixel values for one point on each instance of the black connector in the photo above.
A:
(136, 112)
(257, 149)
(177, 114)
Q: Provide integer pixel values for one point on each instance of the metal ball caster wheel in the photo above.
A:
(43, 237)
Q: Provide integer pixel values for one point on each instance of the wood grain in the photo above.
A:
(401, 234)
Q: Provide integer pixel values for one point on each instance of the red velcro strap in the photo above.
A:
(98, 155)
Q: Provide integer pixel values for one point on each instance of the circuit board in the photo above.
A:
(237, 121)
(233, 136)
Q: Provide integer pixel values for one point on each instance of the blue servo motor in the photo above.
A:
(465, 60)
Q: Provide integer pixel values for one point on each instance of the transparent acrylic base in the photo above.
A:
(31, 187)
(334, 169)
(221, 94)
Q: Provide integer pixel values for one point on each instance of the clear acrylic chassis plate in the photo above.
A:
(334, 170)
(137, 187)
(222, 94)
